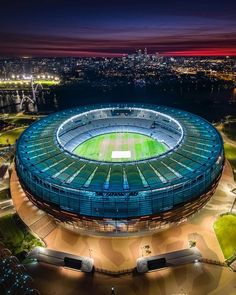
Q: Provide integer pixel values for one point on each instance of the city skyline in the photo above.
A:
(117, 147)
(112, 28)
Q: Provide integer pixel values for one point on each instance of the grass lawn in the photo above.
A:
(47, 82)
(230, 153)
(27, 82)
(5, 195)
(230, 130)
(225, 230)
(15, 236)
(19, 121)
(101, 147)
(10, 137)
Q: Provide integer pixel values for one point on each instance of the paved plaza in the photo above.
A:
(119, 253)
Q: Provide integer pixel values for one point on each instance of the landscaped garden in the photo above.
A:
(16, 236)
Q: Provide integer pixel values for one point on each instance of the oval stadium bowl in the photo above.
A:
(120, 168)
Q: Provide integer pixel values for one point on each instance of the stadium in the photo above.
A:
(120, 168)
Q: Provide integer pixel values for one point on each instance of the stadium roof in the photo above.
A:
(39, 151)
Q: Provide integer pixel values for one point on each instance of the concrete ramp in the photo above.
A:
(176, 258)
(58, 258)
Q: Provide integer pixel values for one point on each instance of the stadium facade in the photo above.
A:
(92, 196)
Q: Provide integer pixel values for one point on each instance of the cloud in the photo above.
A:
(206, 42)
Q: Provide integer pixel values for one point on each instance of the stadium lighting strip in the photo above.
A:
(71, 119)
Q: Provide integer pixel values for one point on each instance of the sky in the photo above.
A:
(115, 28)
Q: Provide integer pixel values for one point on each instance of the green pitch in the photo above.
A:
(101, 147)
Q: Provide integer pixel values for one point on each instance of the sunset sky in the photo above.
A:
(113, 28)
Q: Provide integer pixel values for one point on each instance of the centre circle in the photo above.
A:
(120, 147)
